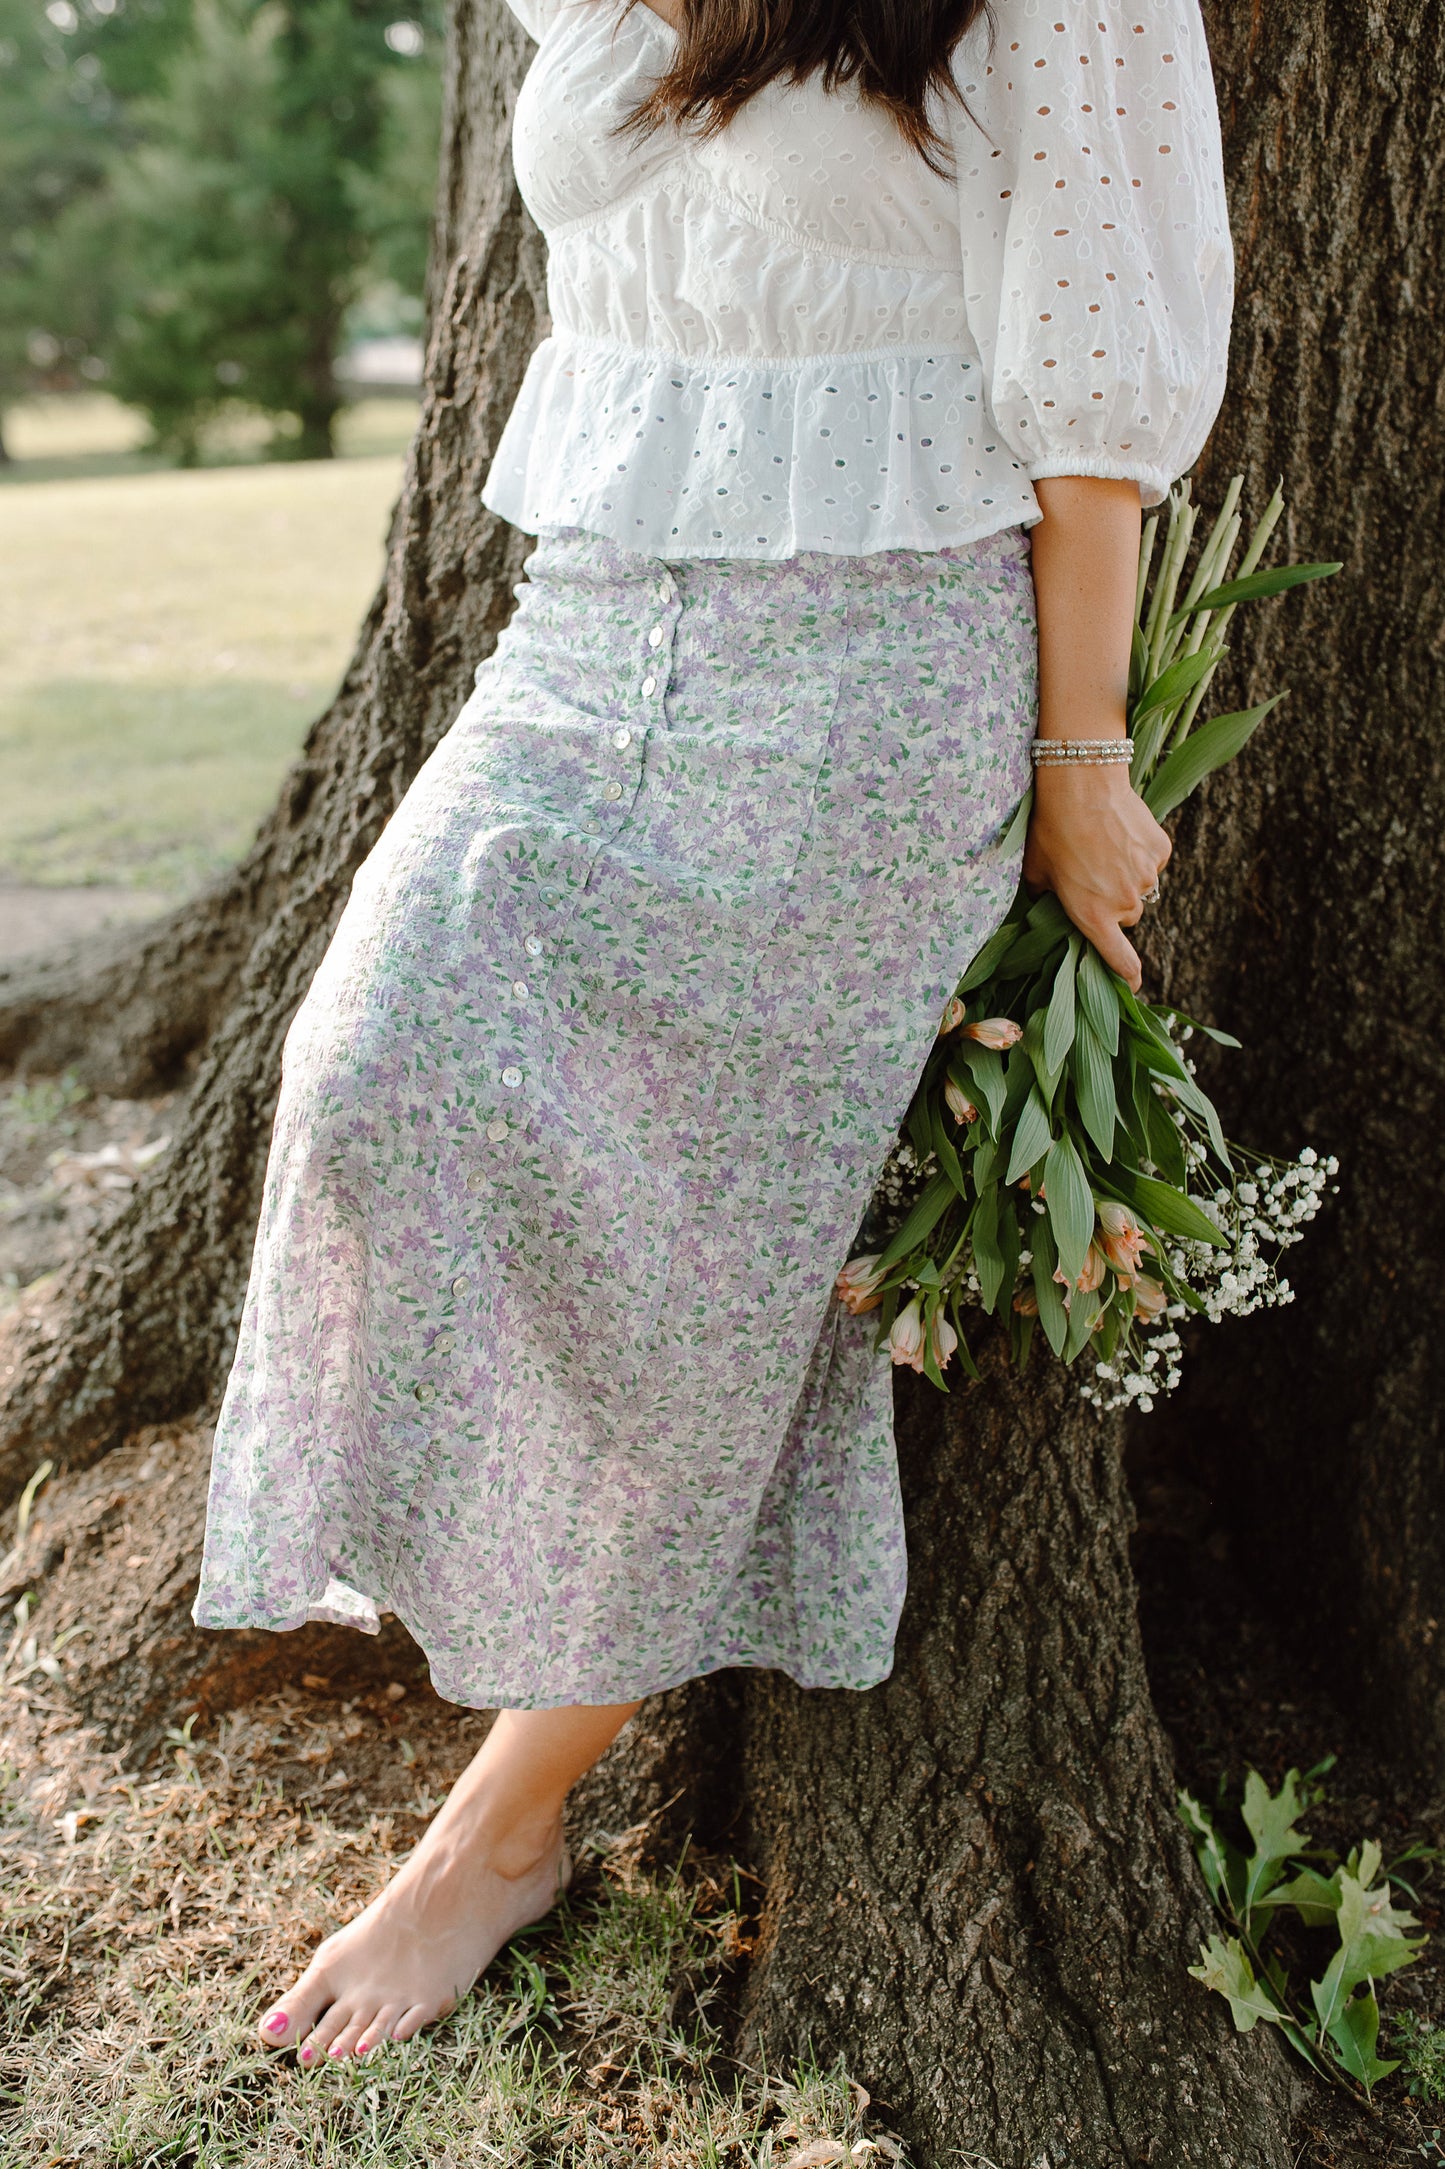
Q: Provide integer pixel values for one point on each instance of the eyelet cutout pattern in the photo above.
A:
(796, 337)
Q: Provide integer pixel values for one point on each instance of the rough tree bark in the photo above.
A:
(1306, 907)
(973, 1884)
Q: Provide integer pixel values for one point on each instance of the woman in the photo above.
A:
(872, 329)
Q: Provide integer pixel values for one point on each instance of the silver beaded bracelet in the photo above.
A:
(1090, 752)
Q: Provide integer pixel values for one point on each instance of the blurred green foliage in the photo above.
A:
(197, 197)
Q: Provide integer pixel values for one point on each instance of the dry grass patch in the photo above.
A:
(148, 1918)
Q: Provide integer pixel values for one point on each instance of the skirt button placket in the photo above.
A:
(657, 669)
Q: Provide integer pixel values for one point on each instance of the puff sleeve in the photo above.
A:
(1097, 261)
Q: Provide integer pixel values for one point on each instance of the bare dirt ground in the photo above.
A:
(35, 918)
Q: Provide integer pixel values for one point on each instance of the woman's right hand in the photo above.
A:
(1095, 844)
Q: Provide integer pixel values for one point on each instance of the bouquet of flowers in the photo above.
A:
(1060, 1165)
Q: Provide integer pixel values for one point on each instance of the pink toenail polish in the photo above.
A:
(306, 2055)
(336, 2052)
(276, 2023)
(362, 2047)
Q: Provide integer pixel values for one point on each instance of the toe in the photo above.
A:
(379, 2027)
(290, 2020)
(351, 2034)
(411, 2021)
(333, 2022)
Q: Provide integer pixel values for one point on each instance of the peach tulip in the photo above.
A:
(905, 1342)
(1149, 1299)
(996, 1032)
(959, 1105)
(953, 1017)
(942, 1340)
(858, 1286)
(1122, 1240)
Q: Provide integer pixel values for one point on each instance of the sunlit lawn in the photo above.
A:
(166, 637)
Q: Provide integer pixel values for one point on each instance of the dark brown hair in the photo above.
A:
(896, 51)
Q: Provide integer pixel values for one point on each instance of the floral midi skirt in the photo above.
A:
(581, 1114)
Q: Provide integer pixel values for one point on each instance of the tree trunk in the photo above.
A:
(1305, 901)
(141, 1327)
(974, 1886)
(977, 1889)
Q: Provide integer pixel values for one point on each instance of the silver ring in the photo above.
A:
(1150, 896)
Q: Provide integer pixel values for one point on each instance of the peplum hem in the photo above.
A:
(749, 457)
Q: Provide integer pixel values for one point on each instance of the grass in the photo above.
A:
(64, 436)
(165, 639)
(146, 1919)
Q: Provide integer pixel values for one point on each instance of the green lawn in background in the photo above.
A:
(165, 639)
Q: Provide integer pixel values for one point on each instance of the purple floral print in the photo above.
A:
(583, 1109)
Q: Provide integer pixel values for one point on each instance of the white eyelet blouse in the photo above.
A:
(797, 337)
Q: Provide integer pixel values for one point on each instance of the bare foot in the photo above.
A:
(411, 1956)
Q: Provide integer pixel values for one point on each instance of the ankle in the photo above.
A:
(514, 1841)
(527, 1846)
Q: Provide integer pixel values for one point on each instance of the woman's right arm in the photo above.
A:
(1091, 839)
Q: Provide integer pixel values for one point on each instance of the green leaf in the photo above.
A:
(1354, 2034)
(1226, 1969)
(1047, 914)
(1172, 685)
(1271, 1820)
(1013, 836)
(1070, 1205)
(1188, 1094)
(1052, 1316)
(943, 1144)
(928, 1210)
(1256, 584)
(1151, 1034)
(982, 967)
(931, 1370)
(1220, 1863)
(1099, 999)
(1166, 1145)
(988, 1258)
(1032, 949)
(1059, 1018)
(1206, 748)
(986, 1155)
(1372, 1943)
(1010, 1241)
(963, 1351)
(1106, 1333)
(920, 1128)
(1315, 1897)
(1084, 1314)
(1018, 1078)
(1031, 1138)
(979, 1072)
(1094, 1087)
(1210, 1031)
(1174, 1212)
(1127, 1116)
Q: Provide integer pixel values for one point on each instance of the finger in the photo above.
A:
(1132, 916)
(1118, 953)
(1168, 849)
